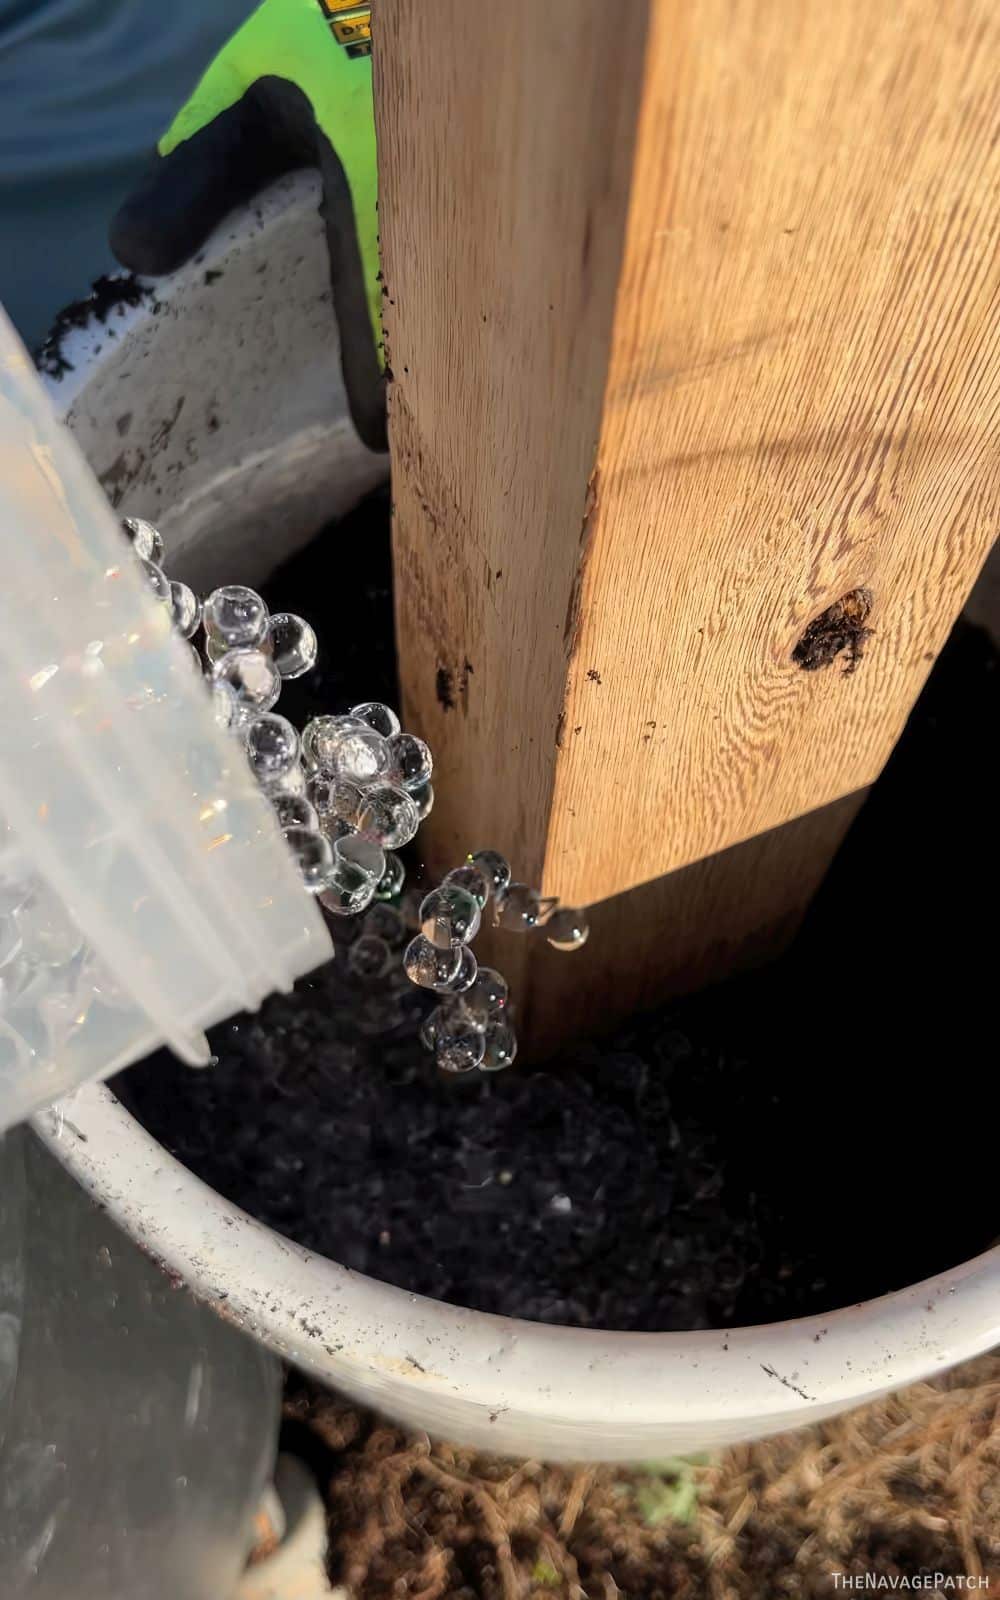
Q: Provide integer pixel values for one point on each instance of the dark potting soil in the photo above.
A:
(791, 1141)
(110, 294)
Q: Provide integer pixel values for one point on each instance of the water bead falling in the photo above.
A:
(253, 678)
(337, 803)
(388, 816)
(294, 647)
(567, 928)
(518, 909)
(314, 856)
(320, 738)
(410, 761)
(358, 755)
(486, 999)
(157, 580)
(494, 867)
(348, 889)
(449, 916)
(369, 957)
(235, 616)
(428, 967)
(294, 810)
(385, 922)
(378, 716)
(146, 540)
(363, 853)
(272, 747)
(473, 880)
(423, 799)
(185, 609)
(499, 1048)
(460, 1051)
(391, 883)
(223, 702)
(465, 976)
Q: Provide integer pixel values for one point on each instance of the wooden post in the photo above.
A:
(692, 320)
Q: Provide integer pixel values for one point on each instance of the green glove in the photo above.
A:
(291, 88)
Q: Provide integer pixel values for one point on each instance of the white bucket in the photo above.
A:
(275, 468)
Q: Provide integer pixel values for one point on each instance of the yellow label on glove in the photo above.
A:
(351, 25)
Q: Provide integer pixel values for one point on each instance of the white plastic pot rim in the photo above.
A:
(516, 1386)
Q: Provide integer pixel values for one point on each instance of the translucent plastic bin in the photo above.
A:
(145, 890)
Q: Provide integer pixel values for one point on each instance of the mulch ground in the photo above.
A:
(901, 1489)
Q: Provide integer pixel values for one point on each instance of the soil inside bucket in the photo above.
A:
(806, 1137)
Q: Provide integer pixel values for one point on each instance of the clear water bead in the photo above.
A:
(337, 803)
(147, 541)
(293, 644)
(410, 761)
(499, 1048)
(486, 999)
(519, 908)
(185, 609)
(431, 1026)
(459, 1052)
(448, 916)
(272, 747)
(363, 853)
(378, 716)
(423, 799)
(391, 882)
(223, 702)
(157, 580)
(567, 928)
(348, 890)
(313, 855)
(291, 782)
(214, 649)
(494, 867)
(235, 616)
(385, 922)
(369, 957)
(252, 677)
(294, 810)
(320, 737)
(388, 816)
(429, 968)
(344, 747)
(360, 756)
(465, 977)
(473, 881)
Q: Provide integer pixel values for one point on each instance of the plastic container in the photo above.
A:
(145, 890)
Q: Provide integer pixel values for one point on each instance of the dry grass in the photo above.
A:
(905, 1486)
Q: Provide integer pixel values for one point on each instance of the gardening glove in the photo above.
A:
(292, 88)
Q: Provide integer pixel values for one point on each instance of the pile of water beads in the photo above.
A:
(349, 792)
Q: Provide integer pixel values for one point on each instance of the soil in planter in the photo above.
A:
(792, 1141)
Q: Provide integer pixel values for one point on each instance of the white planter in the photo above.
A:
(282, 459)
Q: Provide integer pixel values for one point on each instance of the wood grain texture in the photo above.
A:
(691, 331)
(505, 140)
(803, 398)
(680, 933)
